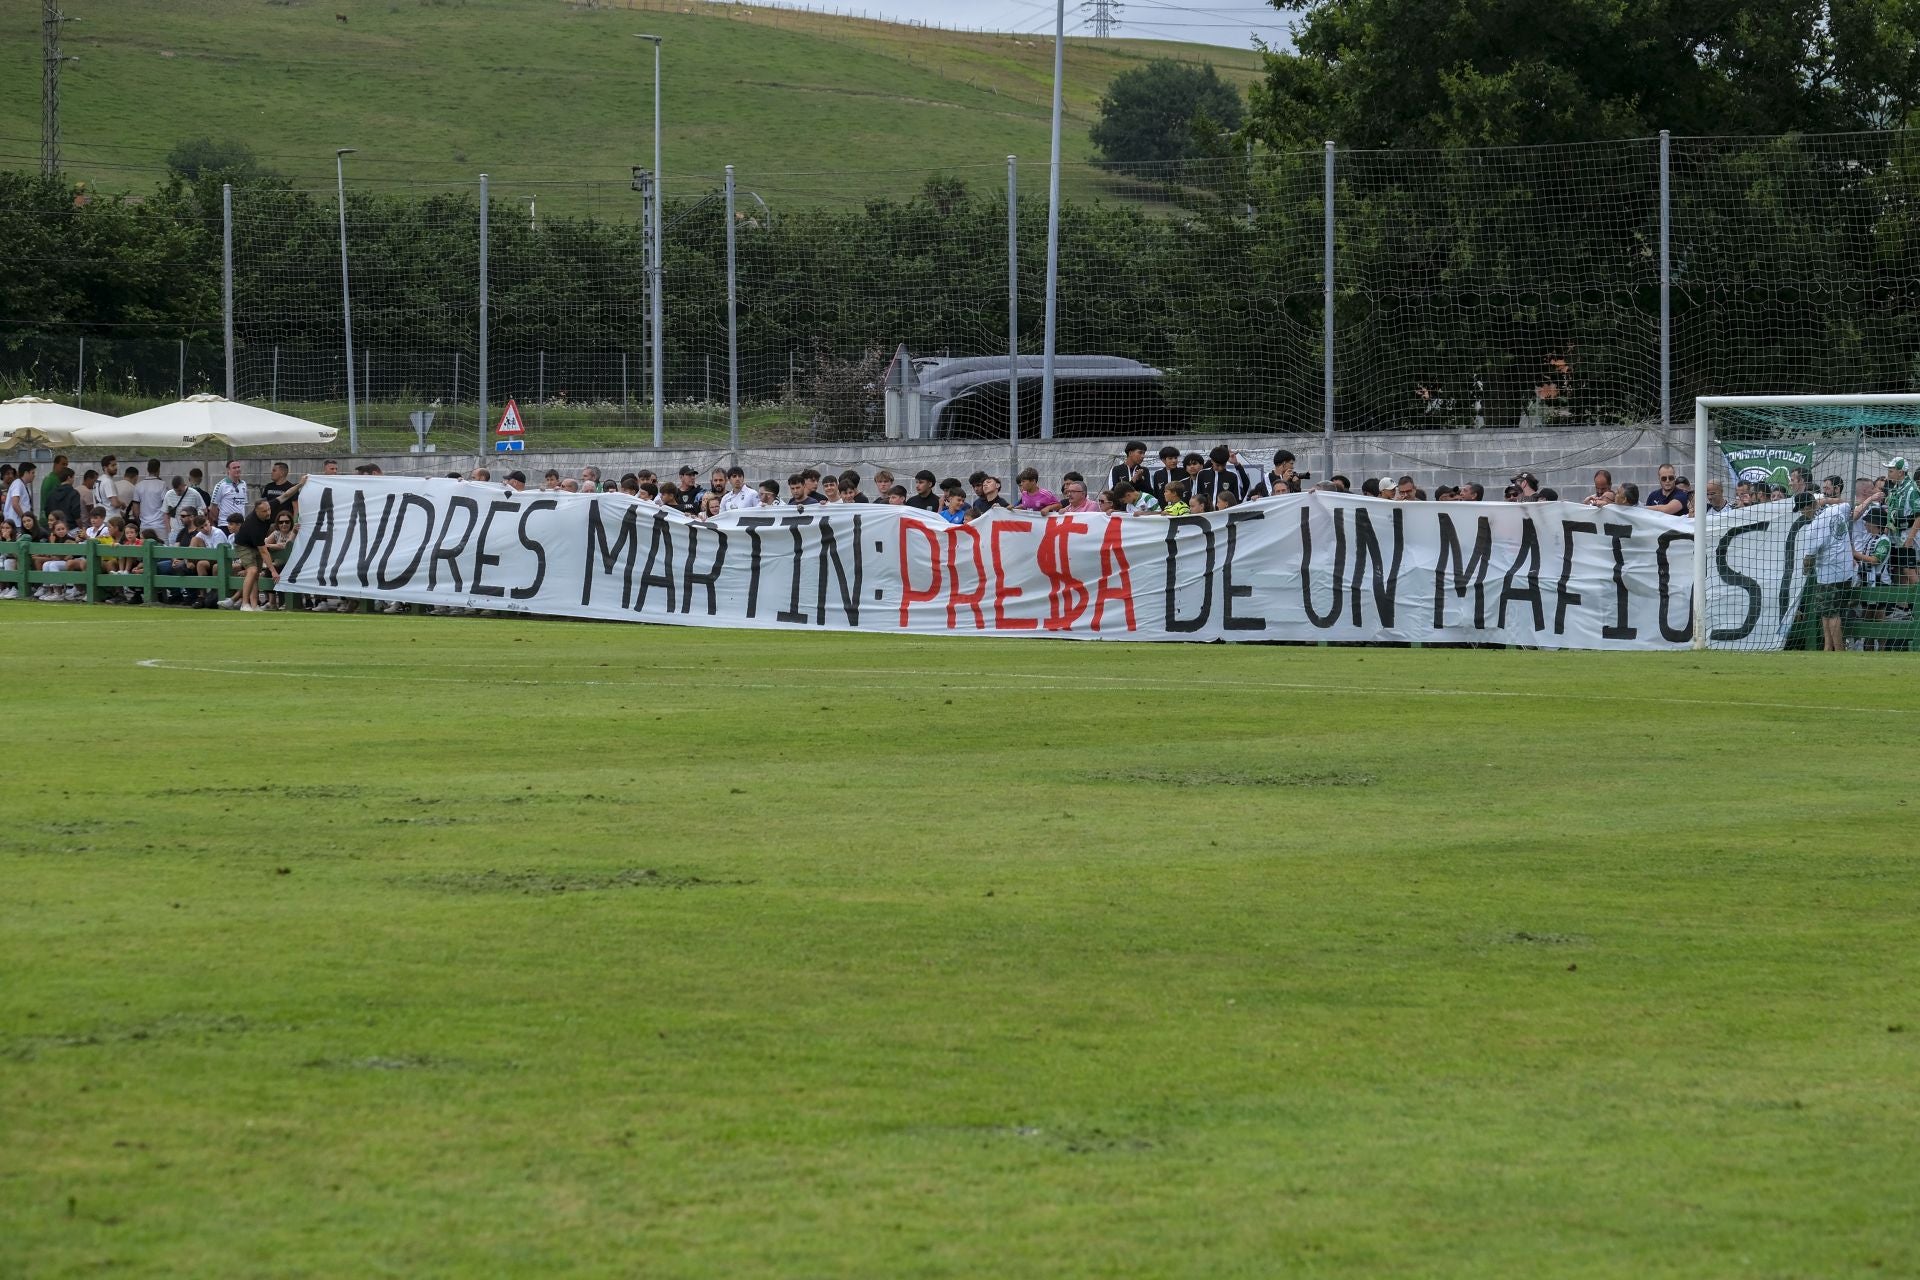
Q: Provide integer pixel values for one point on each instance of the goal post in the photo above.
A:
(1841, 436)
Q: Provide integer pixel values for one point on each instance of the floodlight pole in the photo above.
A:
(1051, 343)
(1326, 317)
(346, 297)
(1013, 316)
(480, 394)
(226, 277)
(659, 274)
(733, 333)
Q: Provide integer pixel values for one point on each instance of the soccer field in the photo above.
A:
(420, 946)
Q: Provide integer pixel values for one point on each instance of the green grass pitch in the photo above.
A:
(399, 947)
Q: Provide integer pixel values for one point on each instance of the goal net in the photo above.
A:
(1801, 526)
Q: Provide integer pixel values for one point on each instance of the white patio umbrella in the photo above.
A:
(201, 420)
(26, 421)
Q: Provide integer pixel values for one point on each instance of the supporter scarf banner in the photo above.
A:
(1302, 567)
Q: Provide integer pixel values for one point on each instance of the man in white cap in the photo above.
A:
(1903, 520)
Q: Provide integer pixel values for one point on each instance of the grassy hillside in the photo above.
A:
(547, 96)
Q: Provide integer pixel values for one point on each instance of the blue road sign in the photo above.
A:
(509, 446)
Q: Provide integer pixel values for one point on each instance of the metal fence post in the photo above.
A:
(481, 442)
(181, 344)
(273, 394)
(1326, 325)
(226, 278)
(625, 405)
(733, 332)
(1666, 283)
(540, 392)
(1013, 315)
(80, 376)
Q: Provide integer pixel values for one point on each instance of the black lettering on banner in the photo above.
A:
(534, 545)
(711, 578)
(1174, 525)
(753, 525)
(369, 546)
(1229, 590)
(660, 553)
(1332, 616)
(849, 595)
(1674, 635)
(315, 534)
(1475, 568)
(628, 541)
(1528, 557)
(481, 560)
(1621, 630)
(1739, 581)
(386, 580)
(452, 554)
(1385, 583)
(793, 613)
(1566, 596)
(1790, 565)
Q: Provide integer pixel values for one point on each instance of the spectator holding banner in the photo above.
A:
(1829, 557)
(1668, 498)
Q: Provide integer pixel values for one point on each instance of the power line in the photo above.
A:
(1105, 17)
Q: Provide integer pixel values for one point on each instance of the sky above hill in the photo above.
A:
(1227, 22)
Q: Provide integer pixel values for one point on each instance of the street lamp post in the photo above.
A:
(346, 296)
(659, 273)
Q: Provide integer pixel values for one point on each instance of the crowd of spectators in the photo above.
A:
(1862, 538)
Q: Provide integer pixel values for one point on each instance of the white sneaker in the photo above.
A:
(251, 608)
(10, 593)
(394, 607)
(229, 602)
(76, 593)
(438, 611)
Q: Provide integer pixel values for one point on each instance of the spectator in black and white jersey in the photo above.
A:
(1132, 468)
(1280, 478)
(1219, 476)
(1167, 472)
(230, 495)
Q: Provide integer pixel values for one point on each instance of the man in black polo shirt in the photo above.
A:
(924, 498)
(276, 488)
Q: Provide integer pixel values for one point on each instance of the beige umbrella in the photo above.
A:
(26, 421)
(201, 420)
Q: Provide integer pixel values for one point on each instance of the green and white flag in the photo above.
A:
(1767, 463)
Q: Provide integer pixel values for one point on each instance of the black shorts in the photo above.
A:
(1902, 557)
(1830, 598)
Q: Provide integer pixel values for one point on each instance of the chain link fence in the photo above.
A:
(1594, 285)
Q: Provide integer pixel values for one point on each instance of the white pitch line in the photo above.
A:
(1295, 686)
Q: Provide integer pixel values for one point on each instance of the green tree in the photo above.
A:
(227, 159)
(1163, 111)
(1388, 73)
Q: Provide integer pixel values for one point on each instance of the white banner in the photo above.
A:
(1308, 567)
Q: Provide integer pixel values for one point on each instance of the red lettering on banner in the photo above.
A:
(955, 596)
(1112, 554)
(1067, 596)
(1001, 591)
(908, 595)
